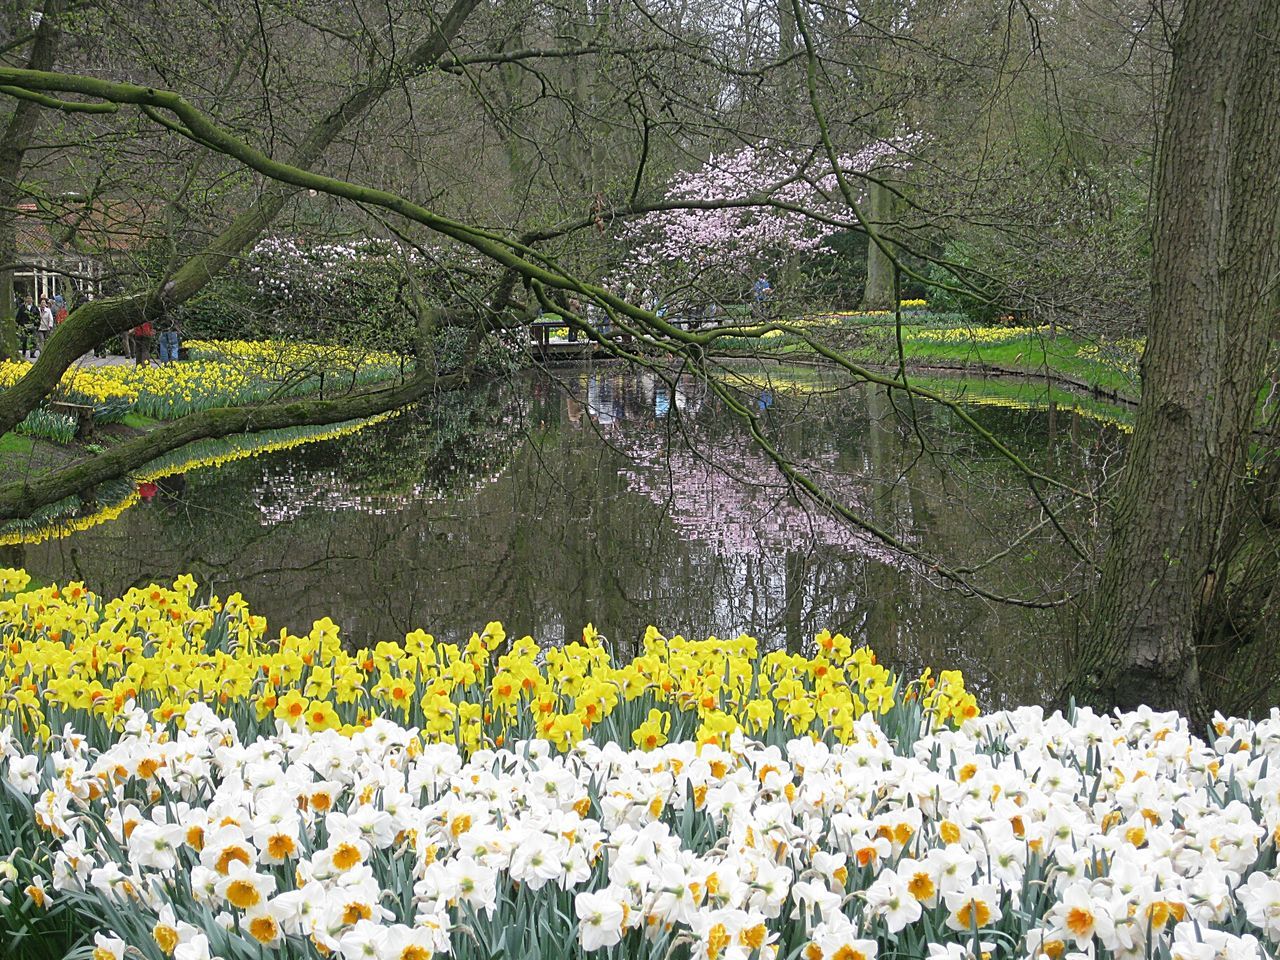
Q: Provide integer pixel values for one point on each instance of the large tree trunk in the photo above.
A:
(1214, 297)
(878, 294)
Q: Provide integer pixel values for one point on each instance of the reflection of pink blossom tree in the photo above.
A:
(707, 495)
(719, 241)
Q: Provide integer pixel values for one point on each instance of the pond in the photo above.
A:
(619, 498)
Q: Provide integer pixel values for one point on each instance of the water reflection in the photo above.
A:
(625, 499)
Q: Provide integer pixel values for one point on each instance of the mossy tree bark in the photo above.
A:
(878, 294)
(1214, 301)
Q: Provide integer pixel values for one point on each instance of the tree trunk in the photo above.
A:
(878, 294)
(1215, 260)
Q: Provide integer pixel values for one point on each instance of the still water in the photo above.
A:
(618, 498)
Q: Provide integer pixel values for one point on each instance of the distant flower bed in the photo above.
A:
(158, 803)
(220, 373)
(291, 355)
(976, 335)
(1123, 355)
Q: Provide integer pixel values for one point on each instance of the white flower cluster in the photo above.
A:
(1020, 836)
(285, 267)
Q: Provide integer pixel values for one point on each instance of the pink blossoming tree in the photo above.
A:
(782, 208)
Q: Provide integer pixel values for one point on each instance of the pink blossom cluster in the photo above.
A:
(742, 237)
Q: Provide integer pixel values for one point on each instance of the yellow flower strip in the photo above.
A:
(221, 372)
(67, 656)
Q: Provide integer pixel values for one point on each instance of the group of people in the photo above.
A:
(36, 323)
(163, 334)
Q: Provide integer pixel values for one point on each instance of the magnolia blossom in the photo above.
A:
(746, 208)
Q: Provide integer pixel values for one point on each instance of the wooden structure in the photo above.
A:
(67, 245)
(82, 413)
(547, 350)
(47, 267)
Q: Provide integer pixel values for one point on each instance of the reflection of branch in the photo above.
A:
(686, 343)
(809, 486)
(20, 499)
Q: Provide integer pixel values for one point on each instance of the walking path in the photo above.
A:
(89, 360)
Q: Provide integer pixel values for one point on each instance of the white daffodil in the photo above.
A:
(890, 899)
(107, 946)
(600, 919)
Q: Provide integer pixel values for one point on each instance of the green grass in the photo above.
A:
(139, 422)
(16, 443)
(1029, 354)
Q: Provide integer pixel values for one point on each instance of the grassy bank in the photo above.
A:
(944, 340)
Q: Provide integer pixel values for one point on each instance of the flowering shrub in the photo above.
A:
(348, 291)
(1015, 835)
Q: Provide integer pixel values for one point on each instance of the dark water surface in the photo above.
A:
(605, 496)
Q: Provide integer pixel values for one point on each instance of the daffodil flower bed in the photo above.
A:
(203, 832)
(71, 657)
(220, 373)
(291, 355)
(974, 335)
(1124, 354)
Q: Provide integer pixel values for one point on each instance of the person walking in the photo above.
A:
(27, 319)
(761, 291)
(167, 339)
(140, 338)
(45, 326)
